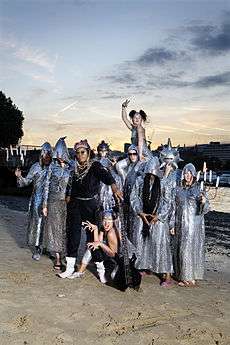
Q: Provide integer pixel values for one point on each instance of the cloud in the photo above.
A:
(33, 58)
(157, 56)
(221, 79)
(212, 39)
(125, 78)
(38, 92)
(112, 96)
(36, 57)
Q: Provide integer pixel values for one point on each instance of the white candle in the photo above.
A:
(217, 181)
(198, 176)
(20, 151)
(205, 171)
(202, 186)
(11, 150)
(7, 154)
(210, 176)
(22, 159)
(24, 151)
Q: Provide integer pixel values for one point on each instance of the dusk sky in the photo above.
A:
(68, 65)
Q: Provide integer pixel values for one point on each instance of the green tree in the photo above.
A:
(11, 120)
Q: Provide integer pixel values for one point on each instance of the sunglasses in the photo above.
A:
(132, 154)
(82, 152)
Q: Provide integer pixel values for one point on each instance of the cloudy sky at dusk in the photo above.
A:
(69, 65)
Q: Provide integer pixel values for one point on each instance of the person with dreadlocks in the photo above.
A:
(152, 228)
(135, 125)
(83, 196)
(54, 204)
(37, 175)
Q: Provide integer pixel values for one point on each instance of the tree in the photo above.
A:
(11, 120)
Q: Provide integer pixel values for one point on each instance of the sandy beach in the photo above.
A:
(36, 307)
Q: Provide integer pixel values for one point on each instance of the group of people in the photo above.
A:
(140, 214)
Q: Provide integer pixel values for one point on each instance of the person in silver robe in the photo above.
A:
(106, 197)
(134, 169)
(155, 217)
(169, 158)
(54, 205)
(37, 175)
(191, 205)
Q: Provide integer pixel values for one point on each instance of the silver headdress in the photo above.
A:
(46, 149)
(189, 167)
(61, 150)
(170, 154)
(153, 167)
(133, 147)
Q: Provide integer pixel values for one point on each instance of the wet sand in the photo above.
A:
(36, 307)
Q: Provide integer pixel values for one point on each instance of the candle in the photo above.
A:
(217, 181)
(22, 159)
(11, 150)
(7, 154)
(24, 151)
(205, 171)
(202, 186)
(198, 176)
(210, 176)
(20, 151)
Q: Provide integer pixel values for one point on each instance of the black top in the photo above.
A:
(87, 184)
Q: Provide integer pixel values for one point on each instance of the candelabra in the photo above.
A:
(15, 156)
(209, 186)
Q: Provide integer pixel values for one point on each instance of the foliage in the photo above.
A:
(11, 120)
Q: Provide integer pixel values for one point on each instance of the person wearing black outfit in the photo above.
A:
(82, 197)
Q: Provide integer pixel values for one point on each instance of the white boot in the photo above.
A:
(101, 271)
(69, 268)
(76, 275)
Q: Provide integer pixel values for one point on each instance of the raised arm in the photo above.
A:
(25, 181)
(124, 114)
(141, 137)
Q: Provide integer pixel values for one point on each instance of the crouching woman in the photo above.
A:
(104, 247)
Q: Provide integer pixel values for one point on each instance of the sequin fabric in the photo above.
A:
(190, 233)
(154, 251)
(54, 198)
(36, 175)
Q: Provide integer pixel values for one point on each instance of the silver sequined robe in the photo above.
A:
(134, 170)
(190, 234)
(54, 199)
(154, 252)
(36, 175)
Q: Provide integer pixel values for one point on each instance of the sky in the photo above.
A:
(69, 65)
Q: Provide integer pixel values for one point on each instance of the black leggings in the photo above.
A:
(79, 211)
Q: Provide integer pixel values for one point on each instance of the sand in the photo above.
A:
(36, 307)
